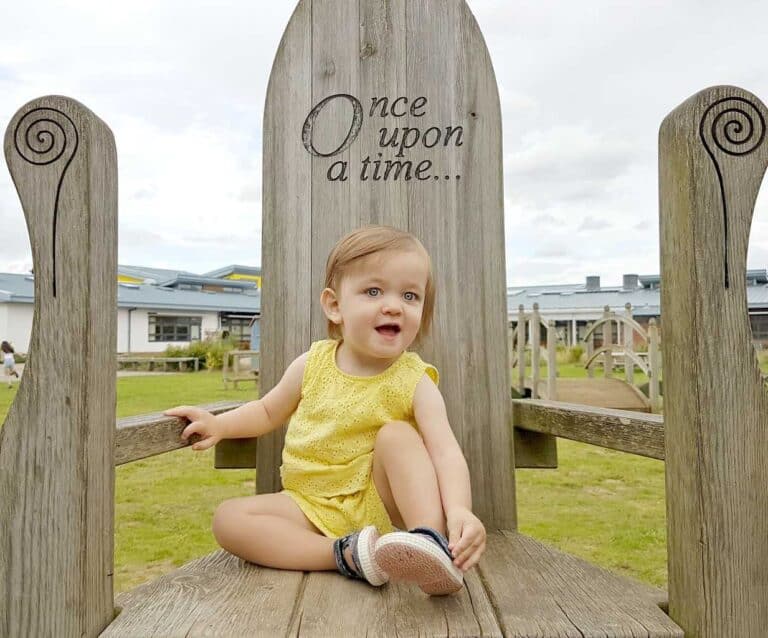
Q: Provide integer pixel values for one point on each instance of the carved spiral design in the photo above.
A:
(44, 135)
(735, 125)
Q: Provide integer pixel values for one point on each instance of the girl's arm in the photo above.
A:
(250, 420)
(447, 457)
(466, 533)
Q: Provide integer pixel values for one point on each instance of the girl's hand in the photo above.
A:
(466, 538)
(203, 423)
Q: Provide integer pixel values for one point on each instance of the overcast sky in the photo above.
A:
(583, 86)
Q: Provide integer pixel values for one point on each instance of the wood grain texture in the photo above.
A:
(429, 61)
(216, 595)
(712, 158)
(56, 447)
(538, 591)
(621, 430)
(522, 589)
(286, 246)
(139, 437)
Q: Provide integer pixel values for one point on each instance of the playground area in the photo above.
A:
(337, 92)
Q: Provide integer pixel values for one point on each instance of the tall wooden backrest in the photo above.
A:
(387, 111)
(56, 446)
(712, 157)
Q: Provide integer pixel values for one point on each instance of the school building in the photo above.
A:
(573, 307)
(156, 307)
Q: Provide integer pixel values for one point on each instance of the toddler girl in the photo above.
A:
(9, 364)
(368, 448)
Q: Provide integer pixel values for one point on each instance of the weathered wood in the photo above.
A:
(608, 343)
(590, 338)
(629, 345)
(535, 332)
(56, 461)
(654, 366)
(139, 437)
(428, 61)
(712, 158)
(551, 361)
(538, 591)
(286, 224)
(217, 595)
(605, 393)
(621, 430)
(522, 588)
(521, 337)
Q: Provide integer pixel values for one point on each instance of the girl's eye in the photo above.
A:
(373, 292)
(411, 296)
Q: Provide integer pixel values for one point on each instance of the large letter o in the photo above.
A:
(354, 129)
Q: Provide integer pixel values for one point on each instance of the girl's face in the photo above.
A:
(379, 303)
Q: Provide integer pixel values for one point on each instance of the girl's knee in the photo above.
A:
(225, 519)
(396, 433)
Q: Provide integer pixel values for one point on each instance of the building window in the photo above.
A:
(163, 328)
(759, 325)
(237, 328)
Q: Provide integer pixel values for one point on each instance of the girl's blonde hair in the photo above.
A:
(370, 240)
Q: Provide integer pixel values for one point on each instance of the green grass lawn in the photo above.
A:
(602, 505)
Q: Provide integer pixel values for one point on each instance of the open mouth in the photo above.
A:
(388, 329)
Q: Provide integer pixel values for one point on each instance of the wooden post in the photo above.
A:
(590, 350)
(535, 350)
(343, 72)
(607, 342)
(56, 447)
(629, 346)
(654, 365)
(551, 361)
(521, 339)
(712, 158)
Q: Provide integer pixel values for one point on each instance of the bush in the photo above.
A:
(575, 353)
(210, 351)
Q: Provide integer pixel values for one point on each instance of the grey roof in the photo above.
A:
(211, 281)
(20, 289)
(219, 273)
(155, 274)
(644, 301)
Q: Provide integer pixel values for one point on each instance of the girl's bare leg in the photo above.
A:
(405, 478)
(271, 530)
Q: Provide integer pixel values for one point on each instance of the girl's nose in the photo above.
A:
(391, 306)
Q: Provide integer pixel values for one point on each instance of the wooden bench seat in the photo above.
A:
(522, 588)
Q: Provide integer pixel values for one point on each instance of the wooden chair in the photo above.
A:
(56, 450)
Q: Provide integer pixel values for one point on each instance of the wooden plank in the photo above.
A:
(286, 245)
(599, 392)
(429, 62)
(621, 430)
(539, 591)
(459, 216)
(712, 158)
(217, 595)
(393, 611)
(56, 463)
(145, 435)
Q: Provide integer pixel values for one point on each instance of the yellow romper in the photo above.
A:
(328, 452)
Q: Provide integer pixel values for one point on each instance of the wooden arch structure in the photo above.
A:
(59, 445)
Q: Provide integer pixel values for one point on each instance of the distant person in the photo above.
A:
(9, 364)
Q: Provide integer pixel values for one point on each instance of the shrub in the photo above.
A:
(210, 351)
(575, 353)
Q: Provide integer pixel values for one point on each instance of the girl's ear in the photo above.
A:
(330, 303)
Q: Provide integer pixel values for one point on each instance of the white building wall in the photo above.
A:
(134, 334)
(122, 330)
(16, 324)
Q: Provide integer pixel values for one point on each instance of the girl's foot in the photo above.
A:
(420, 556)
(359, 547)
